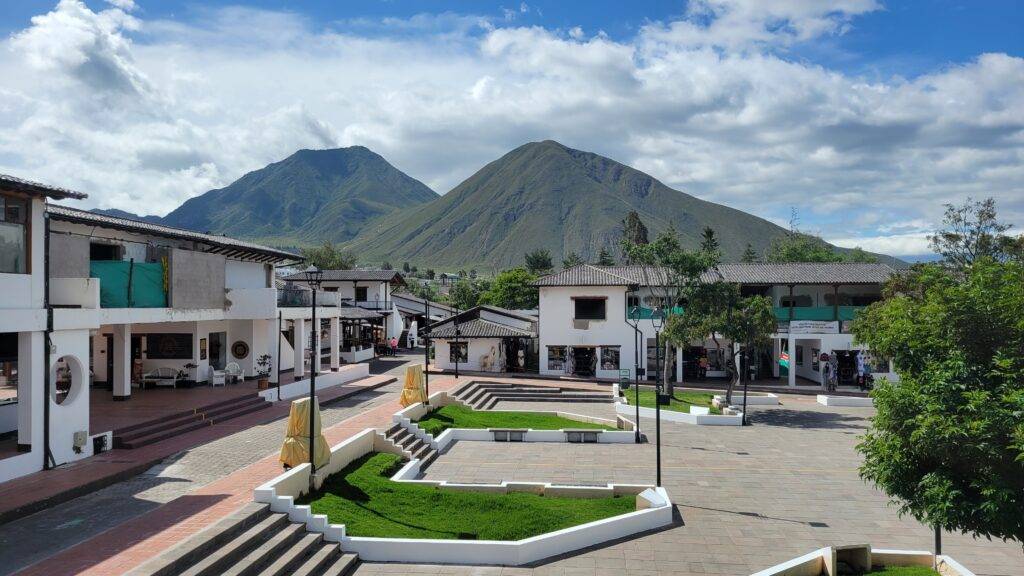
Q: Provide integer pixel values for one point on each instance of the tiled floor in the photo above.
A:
(107, 414)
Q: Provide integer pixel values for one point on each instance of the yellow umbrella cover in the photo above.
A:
(414, 390)
(295, 450)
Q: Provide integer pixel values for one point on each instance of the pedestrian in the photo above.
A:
(394, 346)
(703, 367)
(861, 369)
(833, 372)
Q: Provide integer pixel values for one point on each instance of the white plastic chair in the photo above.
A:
(216, 377)
(234, 372)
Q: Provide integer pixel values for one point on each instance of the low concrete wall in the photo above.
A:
(753, 399)
(684, 417)
(825, 560)
(851, 401)
(355, 356)
(345, 374)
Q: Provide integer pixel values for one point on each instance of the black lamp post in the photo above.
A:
(314, 277)
(658, 321)
(456, 343)
(426, 346)
(633, 313)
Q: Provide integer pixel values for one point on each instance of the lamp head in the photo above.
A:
(314, 277)
(658, 318)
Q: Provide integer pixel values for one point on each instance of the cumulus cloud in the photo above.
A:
(145, 114)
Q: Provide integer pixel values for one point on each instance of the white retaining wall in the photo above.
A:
(347, 373)
(823, 561)
(853, 401)
(684, 417)
(753, 399)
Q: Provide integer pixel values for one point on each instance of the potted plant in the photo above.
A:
(263, 371)
(188, 373)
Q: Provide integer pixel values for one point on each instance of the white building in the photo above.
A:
(595, 320)
(485, 339)
(414, 311)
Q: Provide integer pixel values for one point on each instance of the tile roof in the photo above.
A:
(36, 189)
(352, 276)
(357, 313)
(479, 328)
(415, 304)
(741, 273)
(219, 244)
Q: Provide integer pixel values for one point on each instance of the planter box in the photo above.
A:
(825, 561)
(684, 417)
(853, 401)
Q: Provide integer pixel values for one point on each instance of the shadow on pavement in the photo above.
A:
(805, 419)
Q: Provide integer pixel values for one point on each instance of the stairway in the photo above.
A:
(253, 541)
(145, 433)
(485, 395)
(415, 447)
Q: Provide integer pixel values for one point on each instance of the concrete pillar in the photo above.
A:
(300, 343)
(335, 343)
(315, 365)
(273, 342)
(679, 364)
(792, 360)
(122, 352)
(30, 390)
(776, 354)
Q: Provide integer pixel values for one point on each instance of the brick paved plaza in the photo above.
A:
(748, 498)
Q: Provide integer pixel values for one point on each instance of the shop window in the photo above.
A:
(8, 368)
(610, 357)
(801, 301)
(458, 352)
(102, 251)
(590, 308)
(14, 235)
(556, 358)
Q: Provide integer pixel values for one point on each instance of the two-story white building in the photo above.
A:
(596, 320)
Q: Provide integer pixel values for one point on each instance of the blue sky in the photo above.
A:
(864, 116)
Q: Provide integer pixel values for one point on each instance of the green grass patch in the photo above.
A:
(370, 504)
(903, 571)
(456, 416)
(681, 399)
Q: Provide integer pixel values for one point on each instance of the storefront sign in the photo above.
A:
(813, 327)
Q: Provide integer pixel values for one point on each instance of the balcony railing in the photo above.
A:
(294, 298)
(825, 313)
(642, 313)
(368, 304)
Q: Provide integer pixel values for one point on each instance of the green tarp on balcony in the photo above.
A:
(146, 279)
(826, 313)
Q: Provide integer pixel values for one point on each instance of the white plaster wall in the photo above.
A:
(73, 414)
(8, 417)
(477, 348)
(239, 274)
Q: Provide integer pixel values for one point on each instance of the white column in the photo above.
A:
(273, 337)
(335, 343)
(300, 342)
(679, 364)
(792, 360)
(315, 364)
(776, 355)
(122, 352)
(30, 390)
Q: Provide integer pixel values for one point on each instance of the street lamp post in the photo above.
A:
(658, 321)
(456, 344)
(426, 346)
(314, 276)
(635, 313)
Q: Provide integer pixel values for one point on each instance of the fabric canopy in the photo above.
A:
(415, 387)
(295, 450)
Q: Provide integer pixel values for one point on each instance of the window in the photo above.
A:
(103, 251)
(610, 357)
(590, 308)
(13, 235)
(361, 294)
(556, 357)
(171, 347)
(632, 302)
(800, 355)
(801, 301)
(8, 367)
(814, 359)
(458, 352)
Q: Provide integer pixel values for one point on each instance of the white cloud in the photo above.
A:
(144, 114)
(898, 245)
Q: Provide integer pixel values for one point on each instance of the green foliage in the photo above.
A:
(422, 290)
(972, 231)
(749, 255)
(362, 497)
(431, 274)
(680, 402)
(633, 229)
(903, 571)
(708, 241)
(456, 416)
(796, 246)
(605, 258)
(386, 266)
(947, 443)
(573, 259)
(539, 261)
(512, 289)
(465, 294)
(329, 257)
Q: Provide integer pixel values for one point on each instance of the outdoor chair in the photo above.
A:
(161, 377)
(216, 377)
(233, 373)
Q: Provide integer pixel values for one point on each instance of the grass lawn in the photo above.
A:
(456, 416)
(904, 571)
(370, 504)
(681, 400)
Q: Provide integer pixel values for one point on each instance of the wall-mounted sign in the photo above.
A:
(813, 327)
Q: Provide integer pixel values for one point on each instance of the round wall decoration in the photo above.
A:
(240, 350)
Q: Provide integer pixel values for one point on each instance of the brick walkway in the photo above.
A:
(126, 546)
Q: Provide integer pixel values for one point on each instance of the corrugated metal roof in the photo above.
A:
(740, 273)
(357, 313)
(221, 244)
(479, 328)
(37, 189)
(415, 304)
(352, 276)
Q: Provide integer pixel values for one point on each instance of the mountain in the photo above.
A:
(117, 213)
(307, 198)
(546, 195)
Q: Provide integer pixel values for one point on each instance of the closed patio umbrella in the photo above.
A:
(414, 390)
(295, 450)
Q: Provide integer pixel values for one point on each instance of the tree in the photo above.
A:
(512, 289)
(604, 258)
(708, 242)
(573, 259)
(795, 246)
(329, 257)
(386, 266)
(431, 274)
(464, 294)
(749, 255)
(633, 229)
(472, 272)
(539, 261)
(972, 231)
(405, 267)
(947, 441)
(423, 290)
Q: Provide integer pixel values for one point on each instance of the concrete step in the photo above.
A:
(240, 411)
(160, 434)
(285, 563)
(139, 429)
(156, 426)
(315, 564)
(267, 550)
(233, 406)
(225, 556)
(342, 566)
(414, 447)
(422, 450)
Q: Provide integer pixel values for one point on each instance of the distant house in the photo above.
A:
(587, 314)
(485, 339)
(413, 310)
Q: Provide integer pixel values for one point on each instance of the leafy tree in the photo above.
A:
(796, 246)
(633, 229)
(539, 261)
(386, 266)
(972, 231)
(329, 257)
(573, 259)
(858, 254)
(462, 274)
(431, 274)
(405, 267)
(947, 441)
(604, 258)
(472, 272)
(512, 289)
(749, 255)
(708, 242)
(423, 290)
(464, 294)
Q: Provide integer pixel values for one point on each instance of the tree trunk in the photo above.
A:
(666, 365)
(733, 372)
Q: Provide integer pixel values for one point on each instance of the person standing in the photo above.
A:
(703, 366)
(394, 346)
